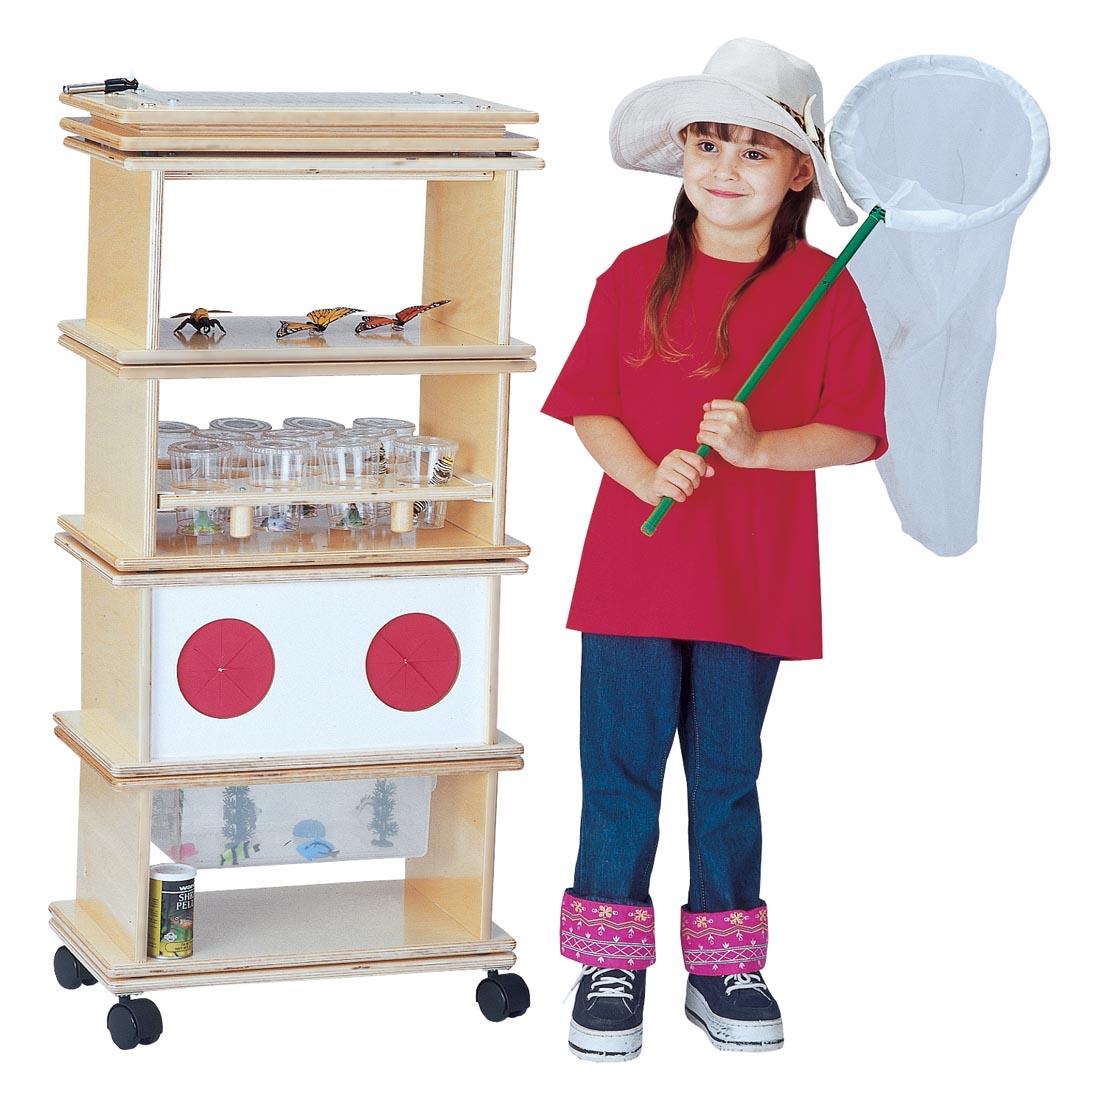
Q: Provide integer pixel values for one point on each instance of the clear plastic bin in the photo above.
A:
(279, 823)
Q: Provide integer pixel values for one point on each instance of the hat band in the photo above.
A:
(818, 142)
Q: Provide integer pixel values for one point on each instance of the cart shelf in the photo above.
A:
(414, 112)
(95, 743)
(334, 139)
(445, 567)
(250, 166)
(313, 544)
(250, 349)
(275, 933)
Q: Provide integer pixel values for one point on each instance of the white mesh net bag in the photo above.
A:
(952, 150)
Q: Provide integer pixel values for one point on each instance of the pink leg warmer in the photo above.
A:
(601, 933)
(734, 941)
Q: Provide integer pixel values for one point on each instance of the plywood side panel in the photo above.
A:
(124, 231)
(457, 872)
(112, 871)
(468, 245)
(114, 674)
(473, 410)
(120, 451)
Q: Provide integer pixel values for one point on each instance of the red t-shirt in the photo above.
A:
(738, 561)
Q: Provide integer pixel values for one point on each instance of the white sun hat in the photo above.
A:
(747, 83)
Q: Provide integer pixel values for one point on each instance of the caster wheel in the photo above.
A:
(134, 1022)
(501, 996)
(69, 971)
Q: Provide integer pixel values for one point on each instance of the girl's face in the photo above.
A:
(738, 185)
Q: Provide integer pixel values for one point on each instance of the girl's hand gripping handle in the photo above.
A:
(658, 514)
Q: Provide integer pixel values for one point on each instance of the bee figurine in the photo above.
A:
(399, 319)
(200, 320)
(318, 321)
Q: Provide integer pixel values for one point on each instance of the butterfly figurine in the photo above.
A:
(200, 320)
(399, 319)
(318, 320)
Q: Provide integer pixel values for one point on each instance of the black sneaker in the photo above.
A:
(737, 1011)
(607, 1014)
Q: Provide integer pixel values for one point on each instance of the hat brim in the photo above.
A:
(645, 126)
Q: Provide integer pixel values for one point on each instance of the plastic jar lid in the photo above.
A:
(172, 872)
(303, 435)
(241, 424)
(265, 446)
(200, 446)
(366, 433)
(313, 423)
(372, 422)
(425, 441)
(225, 435)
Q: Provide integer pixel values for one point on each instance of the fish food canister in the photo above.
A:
(171, 910)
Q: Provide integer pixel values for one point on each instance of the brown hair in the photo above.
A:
(788, 227)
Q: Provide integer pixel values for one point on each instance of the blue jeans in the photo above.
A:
(635, 694)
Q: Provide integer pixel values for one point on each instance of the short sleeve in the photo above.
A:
(588, 383)
(853, 392)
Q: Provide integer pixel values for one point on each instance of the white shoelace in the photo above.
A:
(606, 982)
(734, 982)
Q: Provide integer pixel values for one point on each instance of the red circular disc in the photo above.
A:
(225, 668)
(412, 662)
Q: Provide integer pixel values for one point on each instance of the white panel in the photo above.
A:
(320, 699)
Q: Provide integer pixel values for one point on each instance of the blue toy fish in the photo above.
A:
(313, 845)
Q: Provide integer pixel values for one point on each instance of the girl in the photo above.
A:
(685, 630)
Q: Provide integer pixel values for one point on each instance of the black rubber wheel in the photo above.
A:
(69, 971)
(503, 996)
(134, 1022)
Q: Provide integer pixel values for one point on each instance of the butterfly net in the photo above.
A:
(952, 150)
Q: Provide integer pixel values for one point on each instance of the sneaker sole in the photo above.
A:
(604, 1046)
(747, 1035)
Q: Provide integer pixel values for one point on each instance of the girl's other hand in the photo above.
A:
(678, 476)
(727, 428)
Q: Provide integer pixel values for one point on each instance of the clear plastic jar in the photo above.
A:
(200, 464)
(309, 436)
(239, 441)
(425, 460)
(278, 464)
(169, 432)
(356, 460)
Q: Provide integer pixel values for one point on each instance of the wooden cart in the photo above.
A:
(144, 586)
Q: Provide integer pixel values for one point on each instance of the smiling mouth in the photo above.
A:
(726, 194)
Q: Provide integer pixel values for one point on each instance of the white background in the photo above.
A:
(928, 788)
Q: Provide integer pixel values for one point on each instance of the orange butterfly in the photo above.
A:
(319, 320)
(399, 319)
